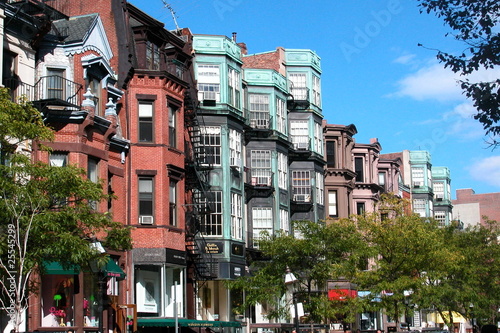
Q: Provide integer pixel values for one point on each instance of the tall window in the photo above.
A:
(438, 188)
(208, 82)
(211, 224)
(234, 148)
(284, 221)
(210, 145)
(299, 132)
(360, 208)
(299, 86)
(152, 56)
(359, 169)
(259, 111)
(95, 88)
(320, 195)
(332, 204)
(234, 88)
(301, 185)
(417, 176)
(282, 171)
(146, 121)
(55, 83)
(318, 138)
(281, 118)
(316, 91)
(146, 196)
(92, 169)
(173, 202)
(419, 207)
(382, 179)
(330, 154)
(262, 220)
(260, 161)
(236, 216)
(172, 121)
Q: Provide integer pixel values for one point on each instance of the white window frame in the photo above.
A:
(208, 82)
(440, 217)
(332, 204)
(281, 115)
(259, 105)
(213, 222)
(262, 220)
(282, 171)
(210, 140)
(417, 176)
(236, 217)
(299, 86)
(285, 221)
(318, 138)
(420, 207)
(316, 91)
(234, 148)
(320, 195)
(299, 133)
(234, 87)
(260, 166)
(301, 185)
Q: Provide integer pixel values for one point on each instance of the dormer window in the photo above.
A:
(152, 56)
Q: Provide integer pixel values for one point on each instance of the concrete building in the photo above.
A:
(471, 208)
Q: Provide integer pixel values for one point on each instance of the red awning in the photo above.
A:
(341, 294)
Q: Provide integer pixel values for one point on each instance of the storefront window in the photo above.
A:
(90, 300)
(58, 293)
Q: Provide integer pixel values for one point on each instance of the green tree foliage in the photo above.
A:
(475, 23)
(320, 253)
(45, 213)
(467, 283)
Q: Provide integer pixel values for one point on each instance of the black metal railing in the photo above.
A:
(19, 89)
(56, 87)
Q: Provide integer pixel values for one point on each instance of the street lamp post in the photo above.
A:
(290, 279)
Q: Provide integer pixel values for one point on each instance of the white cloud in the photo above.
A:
(432, 82)
(487, 170)
(405, 59)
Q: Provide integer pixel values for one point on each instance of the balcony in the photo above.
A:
(259, 183)
(298, 99)
(301, 200)
(260, 125)
(19, 89)
(301, 147)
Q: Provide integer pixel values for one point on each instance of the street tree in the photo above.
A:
(400, 248)
(315, 254)
(475, 24)
(46, 212)
(467, 284)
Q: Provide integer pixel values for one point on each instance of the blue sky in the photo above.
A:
(375, 75)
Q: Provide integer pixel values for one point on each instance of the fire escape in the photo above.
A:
(198, 168)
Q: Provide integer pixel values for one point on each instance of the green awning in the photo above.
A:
(55, 268)
(170, 322)
(111, 269)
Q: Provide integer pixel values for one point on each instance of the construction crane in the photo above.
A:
(172, 12)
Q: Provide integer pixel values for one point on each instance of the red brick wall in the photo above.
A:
(489, 203)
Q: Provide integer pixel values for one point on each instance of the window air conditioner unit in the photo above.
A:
(253, 123)
(417, 184)
(236, 163)
(302, 145)
(146, 219)
(439, 197)
(301, 197)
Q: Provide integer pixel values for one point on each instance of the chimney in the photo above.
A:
(373, 140)
(234, 36)
(243, 48)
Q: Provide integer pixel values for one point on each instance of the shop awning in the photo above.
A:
(457, 318)
(55, 268)
(170, 322)
(111, 269)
